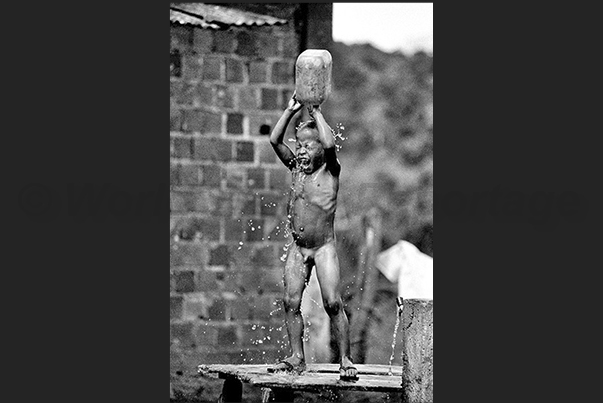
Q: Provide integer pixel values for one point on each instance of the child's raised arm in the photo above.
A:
(283, 152)
(327, 140)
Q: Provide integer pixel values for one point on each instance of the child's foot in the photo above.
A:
(291, 364)
(347, 371)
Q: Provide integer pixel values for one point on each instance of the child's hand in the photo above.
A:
(313, 109)
(293, 105)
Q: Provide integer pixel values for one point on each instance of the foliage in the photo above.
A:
(385, 103)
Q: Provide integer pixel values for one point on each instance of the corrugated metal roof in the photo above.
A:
(218, 17)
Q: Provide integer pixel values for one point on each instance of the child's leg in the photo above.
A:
(297, 272)
(327, 271)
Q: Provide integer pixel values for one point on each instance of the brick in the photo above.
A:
(234, 123)
(191, 67)
(269, 98)
(282, 73)
(174, 175)
(249, 281)
(272, 281)
(189, 175)
(203, 201)
(203, 40)
(249, 207)
(217, 309)
(245, 44)
(224, 96)
(290, 46)
(211, 175)
(252, 334)
(222, 205)
(279, 179)
(245, 151)
(224, 41)
(266, 152)
(176, 307)
(233, 230)
(212, 123)
(182, 147)
(212, 68)
(210, 149)
(254, 229)
(182, 334)
(186, 95)
(267, 45)
(286, 95)
(248, 98)
(175, 63)
(195, 307)
(196, 227)
(276, 231)
(235, 177)
(184, 253)
(262, 306)
(206, 335)
(228, 336)
(234, 71)
(258, 72)
(192, 120)
(181, 201)
(181, 37)
(219, 256)
(227, 280)
(256, 122)
(177, 200)
(185, 281)
(201, 121)
(175, 88)
(206, 280)
(175, 119)
(255, 178)
(264, 257)
(241, 256)
(269, 204)
(243, 205)
(239, 309)
(205, 94)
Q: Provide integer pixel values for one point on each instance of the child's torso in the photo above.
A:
(312, 205)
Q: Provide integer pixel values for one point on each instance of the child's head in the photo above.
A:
(309, 150)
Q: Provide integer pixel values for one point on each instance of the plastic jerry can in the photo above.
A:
(313, 76)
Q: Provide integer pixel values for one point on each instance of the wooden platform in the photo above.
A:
(317, 377)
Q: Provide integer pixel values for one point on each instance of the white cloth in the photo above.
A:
(412, 269)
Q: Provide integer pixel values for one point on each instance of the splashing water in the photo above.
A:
(338, 135)
(391, 358)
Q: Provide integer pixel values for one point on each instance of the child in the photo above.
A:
(311, 209)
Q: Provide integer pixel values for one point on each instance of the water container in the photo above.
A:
(313, 76)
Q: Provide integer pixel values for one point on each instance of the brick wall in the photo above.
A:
(228, 193)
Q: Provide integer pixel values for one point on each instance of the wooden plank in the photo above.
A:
(233, 369)
(417, 351)
(315, 378)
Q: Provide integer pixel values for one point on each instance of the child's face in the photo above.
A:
(309, 151)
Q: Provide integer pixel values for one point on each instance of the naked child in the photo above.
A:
(311, 210)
